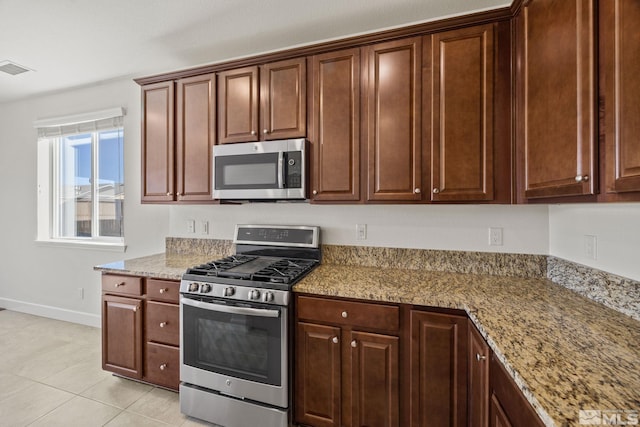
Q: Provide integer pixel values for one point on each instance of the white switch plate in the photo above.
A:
(361, 231)
(495, 236)
(590, 246)
(191, 226)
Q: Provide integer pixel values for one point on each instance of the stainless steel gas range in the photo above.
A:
(236, 327)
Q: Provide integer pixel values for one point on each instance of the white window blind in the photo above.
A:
(80, 123)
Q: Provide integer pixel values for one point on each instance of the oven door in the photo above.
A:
(235, 349)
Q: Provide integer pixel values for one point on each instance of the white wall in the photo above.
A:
(449, 227)
(44, 279)
(617, 231)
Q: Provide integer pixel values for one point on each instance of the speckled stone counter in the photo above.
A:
(565, 352)
(161, 266)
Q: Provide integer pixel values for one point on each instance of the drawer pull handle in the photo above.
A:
(480, 357)
(163, 290)
(163, 366)
(334, 340)
(345, 314)
(117, 285)
(163, 324)
(354, 343)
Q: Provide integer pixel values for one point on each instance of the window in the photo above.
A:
(81, 179)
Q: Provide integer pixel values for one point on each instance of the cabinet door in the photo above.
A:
(462, 114)
(238, 105)
(162, 323)
(317, 368)
(195, 137)
(478, 379)
(122, 335)
(394, 143)
(374, 375)
(620, 90)
(158, 142)
(283, 98)
(556, 117)
(438, 364)
(498, 417)
(335, 126)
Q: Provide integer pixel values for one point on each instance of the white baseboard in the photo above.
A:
(52, 312)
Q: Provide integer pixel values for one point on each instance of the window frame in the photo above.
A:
(48, 218)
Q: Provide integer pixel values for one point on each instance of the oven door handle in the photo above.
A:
(248, 311)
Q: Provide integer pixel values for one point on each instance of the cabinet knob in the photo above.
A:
(265, 131)
(163, 324)
(117, 285)
(436, 190)
(169, 194)
(163, 366)
(416, 190)
(345, 314)
(582, 178)
(314, 192)
(163, 290)
(253, 132)
(354, 344)
(480, 357)
(334, 340)
(135, 309)
(178, 194)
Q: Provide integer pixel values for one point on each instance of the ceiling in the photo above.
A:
(74, 43)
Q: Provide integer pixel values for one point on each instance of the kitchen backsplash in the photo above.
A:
(614, 291)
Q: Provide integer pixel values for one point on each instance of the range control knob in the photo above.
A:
(254, 294)
(229, 292)
(268, 296)
(205, 288)
(193, 287)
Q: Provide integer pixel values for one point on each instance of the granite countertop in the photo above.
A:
(566, 352)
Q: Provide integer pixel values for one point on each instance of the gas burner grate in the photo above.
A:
(214, 268)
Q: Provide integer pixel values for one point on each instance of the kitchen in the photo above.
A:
(52, 288)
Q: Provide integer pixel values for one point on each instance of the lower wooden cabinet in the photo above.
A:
(141, 329)
(479, 357)
(438, 367)
(347, 363)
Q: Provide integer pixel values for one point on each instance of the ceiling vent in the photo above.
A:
(12, 68)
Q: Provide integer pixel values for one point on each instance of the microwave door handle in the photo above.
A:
(256, 312)
(280, 169)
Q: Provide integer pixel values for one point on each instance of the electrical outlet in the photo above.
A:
(361, 231)
(191, 226)
(590, 246)
(495, 236)
(205, 227)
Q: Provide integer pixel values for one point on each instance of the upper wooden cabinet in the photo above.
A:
(619, 92)
(263, 102)
(334, 128)
(556, 117)
(463, 65)
(178, 133)
(392, 104)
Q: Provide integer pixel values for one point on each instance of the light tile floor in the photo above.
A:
(51, 375)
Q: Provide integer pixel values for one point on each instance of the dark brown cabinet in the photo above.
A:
(479, 358)
(467, 73)
(141, 329)
(264, 102)
(178, 134)
(508, 406)
(392, 105)
(556, 94)
(619, 92)
(334, 128)
(347, 363)
(438, 366)
(122, 317)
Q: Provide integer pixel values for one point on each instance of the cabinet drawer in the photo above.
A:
(163, 322)
(357, 314)
(162, 365)
(163, 290)
(116, 284)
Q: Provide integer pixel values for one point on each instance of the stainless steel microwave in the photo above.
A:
(269, 170)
